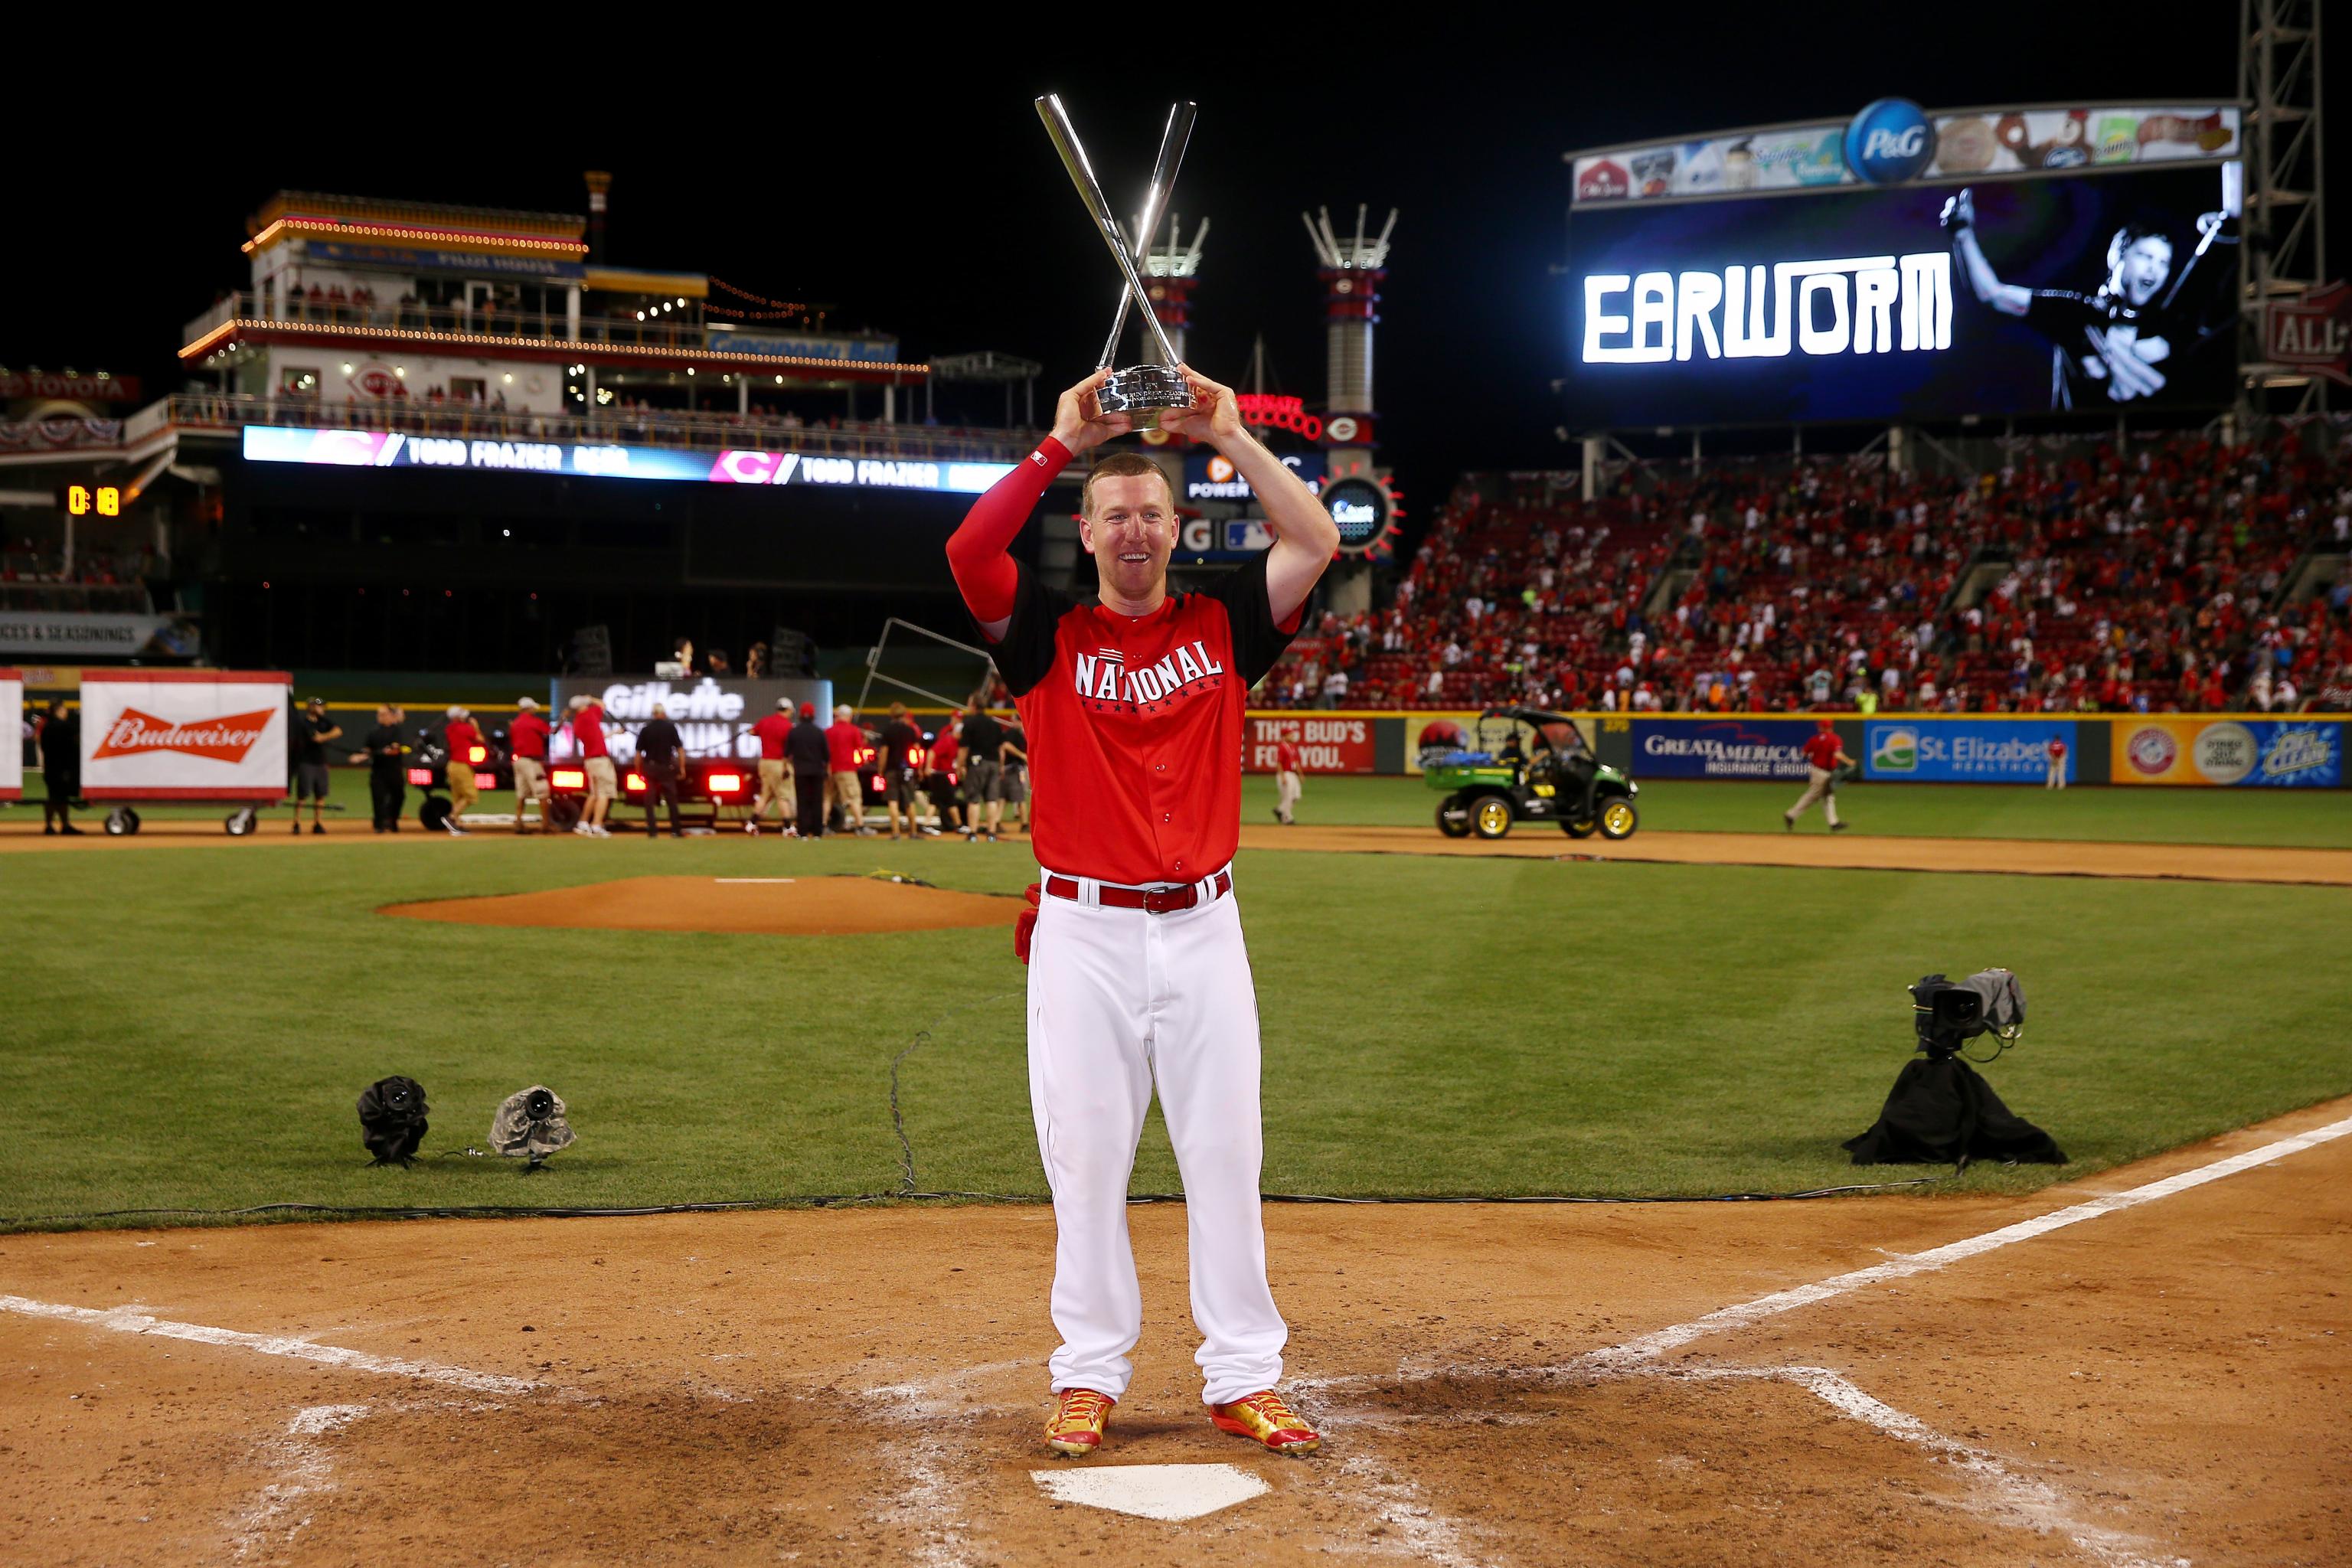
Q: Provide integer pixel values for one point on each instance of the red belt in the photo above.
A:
(1152, 901)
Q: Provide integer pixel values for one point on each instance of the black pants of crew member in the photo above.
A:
(661, 784)
(387, 790)
(808, 791)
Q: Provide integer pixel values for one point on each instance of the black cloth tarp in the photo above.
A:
(1942, 1112)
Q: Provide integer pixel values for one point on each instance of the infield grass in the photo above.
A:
(190, 1027)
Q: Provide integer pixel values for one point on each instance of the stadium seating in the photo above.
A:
(2073, 577)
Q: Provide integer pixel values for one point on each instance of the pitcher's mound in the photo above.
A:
(804, 906)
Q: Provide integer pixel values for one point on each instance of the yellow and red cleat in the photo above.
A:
(1264, 1419)
(1077, 1428)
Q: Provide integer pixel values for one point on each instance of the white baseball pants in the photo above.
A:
(1117, 1000)
(1817, 788)
(1286, 792)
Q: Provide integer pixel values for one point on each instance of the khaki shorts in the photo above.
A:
(602, 785)
(531, 779)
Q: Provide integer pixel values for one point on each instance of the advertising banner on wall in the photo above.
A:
(184, 734)
(1965, 751)
(80, 635)
(604, 460)
(1744, 747)
(714, 717)
(12, 729)
(2278, 753)
(1967, 144)
(1327, 745)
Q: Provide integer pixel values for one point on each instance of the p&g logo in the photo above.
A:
(1889, 143)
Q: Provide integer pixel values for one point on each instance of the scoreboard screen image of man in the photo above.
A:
(2098, 292)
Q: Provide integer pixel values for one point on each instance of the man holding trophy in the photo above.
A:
(1139, 976)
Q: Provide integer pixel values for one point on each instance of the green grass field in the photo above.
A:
(189, 1028)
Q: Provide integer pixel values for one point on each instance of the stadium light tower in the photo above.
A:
(1353, 269)
(1173, 268)
(2286, 219)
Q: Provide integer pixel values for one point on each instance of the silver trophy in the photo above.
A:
(1144, 390)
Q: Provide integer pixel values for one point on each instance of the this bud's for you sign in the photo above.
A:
(184, 734)
(1325, 745)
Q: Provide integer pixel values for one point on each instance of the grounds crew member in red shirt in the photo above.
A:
(596, 762)
(941, 782)
(459, 737)
(775, 773)
(1285, 780)
(1138, 973)
(846, 742)
(527, 750)
(1823, 756)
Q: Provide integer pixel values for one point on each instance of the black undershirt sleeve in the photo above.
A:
(1026, 652)
(1258, 641)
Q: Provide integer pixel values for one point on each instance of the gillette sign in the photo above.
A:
(1850, 305)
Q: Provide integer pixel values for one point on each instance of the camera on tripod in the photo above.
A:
(1947, 1013)
(1940, 1111)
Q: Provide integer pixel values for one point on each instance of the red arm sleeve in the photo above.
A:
(976, 551)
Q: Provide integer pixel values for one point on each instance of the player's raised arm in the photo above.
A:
(984, 572)
(1304, 537)
(1959, 216)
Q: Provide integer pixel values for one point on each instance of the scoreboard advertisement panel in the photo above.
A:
(2100, 292)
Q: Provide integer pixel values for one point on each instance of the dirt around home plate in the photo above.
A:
(2163, 1382)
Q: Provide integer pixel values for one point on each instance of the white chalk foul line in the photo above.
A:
(131, 1321)
(1744, 1313)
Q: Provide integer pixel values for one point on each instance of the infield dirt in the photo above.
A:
(865, 1386)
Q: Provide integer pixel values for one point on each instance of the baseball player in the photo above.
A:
(2056, 777)
(1286, 779)
(1824, 754)
(1132, 706)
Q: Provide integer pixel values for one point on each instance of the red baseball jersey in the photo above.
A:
(1135, 724)
(2057, 750)
(1821, 750)
(1285, 756)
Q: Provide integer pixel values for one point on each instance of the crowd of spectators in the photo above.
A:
(34, 578)
(2145, 578)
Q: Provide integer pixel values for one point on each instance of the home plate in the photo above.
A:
(1152, 1491)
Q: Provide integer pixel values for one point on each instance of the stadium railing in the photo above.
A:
(683, 329)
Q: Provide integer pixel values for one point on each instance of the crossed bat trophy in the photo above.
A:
(1144, 390)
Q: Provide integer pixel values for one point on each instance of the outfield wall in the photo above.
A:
(2199, 749)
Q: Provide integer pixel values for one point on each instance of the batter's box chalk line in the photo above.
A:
(2014, 1498)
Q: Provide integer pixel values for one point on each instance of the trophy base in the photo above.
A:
(1143, 392)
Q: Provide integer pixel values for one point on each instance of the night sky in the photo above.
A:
(908, 183)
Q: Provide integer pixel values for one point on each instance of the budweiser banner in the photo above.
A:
(12, 733)
(184, 734)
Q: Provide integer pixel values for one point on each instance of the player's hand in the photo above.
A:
(1215, 416)
(1960, 212)
(2128, 375)
(1079, 423)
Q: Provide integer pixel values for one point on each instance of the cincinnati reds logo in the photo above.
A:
(223, 739)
